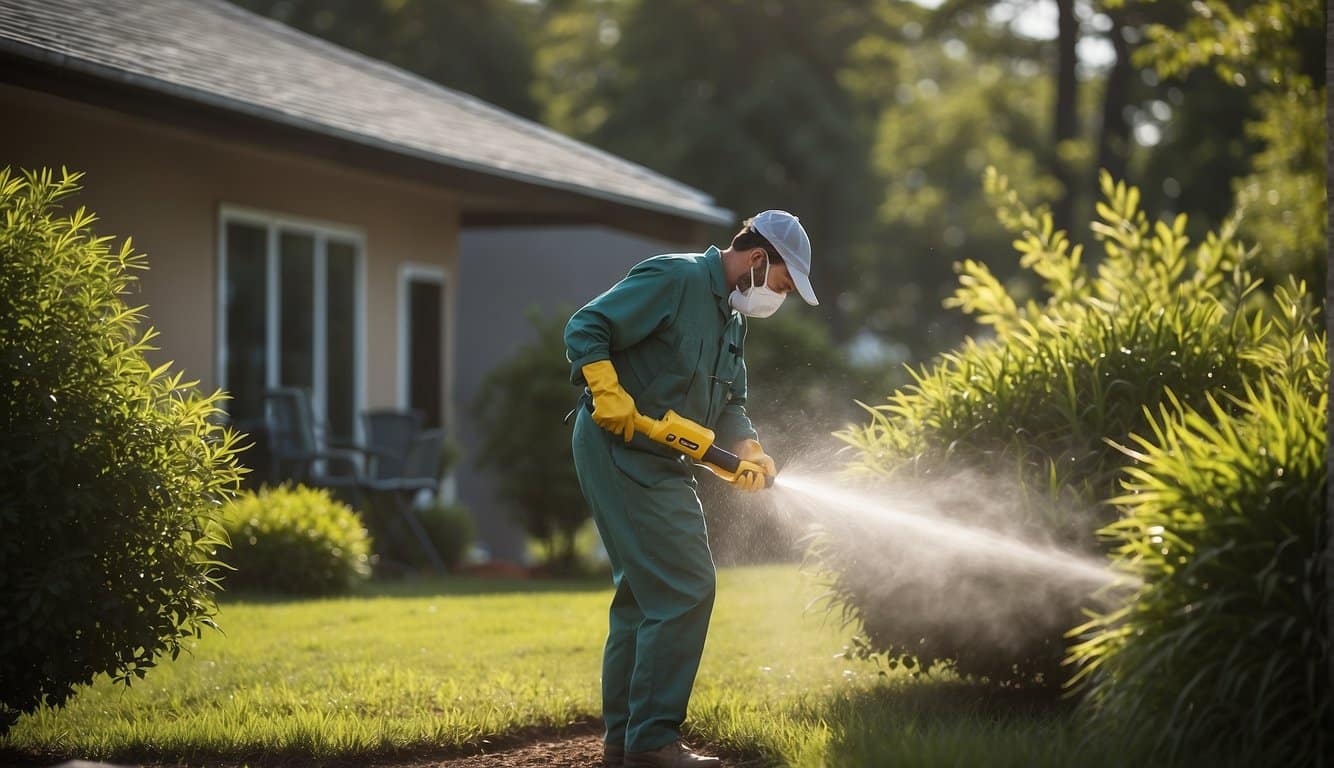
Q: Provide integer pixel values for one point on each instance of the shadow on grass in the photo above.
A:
(429, 587)
(940, 723)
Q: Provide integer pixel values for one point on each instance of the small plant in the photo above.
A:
(520, 408)
(295, 540)
(113, 469)
(1225, 646)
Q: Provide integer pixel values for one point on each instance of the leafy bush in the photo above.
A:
(519, 409)
(297, 540)
(451, 529)
(1038, 402)
(1224, 647)
(112, 467)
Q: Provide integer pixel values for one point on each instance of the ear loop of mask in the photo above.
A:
(766, 273)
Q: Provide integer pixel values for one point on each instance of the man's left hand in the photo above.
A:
(749, 477)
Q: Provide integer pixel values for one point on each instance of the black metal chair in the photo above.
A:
(389, 433)
(298, 451)
(421, 472)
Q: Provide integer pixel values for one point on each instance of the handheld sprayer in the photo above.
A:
(694, 440)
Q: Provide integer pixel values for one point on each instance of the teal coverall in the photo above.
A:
(676, 344)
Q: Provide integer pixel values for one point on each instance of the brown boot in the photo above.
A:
(674, 755)
(612, 756)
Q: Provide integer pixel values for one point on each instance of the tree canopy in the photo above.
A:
(874, 119)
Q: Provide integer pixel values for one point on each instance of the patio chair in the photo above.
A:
(297, 451)
(389, 433)
(421, 472)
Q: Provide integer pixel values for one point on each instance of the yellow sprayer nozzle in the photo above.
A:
(694, 440)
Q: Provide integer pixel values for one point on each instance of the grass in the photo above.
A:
(427, 667)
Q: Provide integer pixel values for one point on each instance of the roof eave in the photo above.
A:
(705, 214)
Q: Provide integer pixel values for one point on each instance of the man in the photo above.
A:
(669, 336)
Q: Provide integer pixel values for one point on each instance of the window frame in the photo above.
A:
(321, 232)
(409, 271)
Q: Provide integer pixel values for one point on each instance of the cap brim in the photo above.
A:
(803, 283)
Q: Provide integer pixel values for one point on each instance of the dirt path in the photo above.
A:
(580, 751)
(539, 749)
(579, 746)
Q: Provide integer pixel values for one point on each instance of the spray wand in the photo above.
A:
(694, 440)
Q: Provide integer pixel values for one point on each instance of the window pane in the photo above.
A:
(426, 348)
(341, 339)
(296, 347)
(245, 302)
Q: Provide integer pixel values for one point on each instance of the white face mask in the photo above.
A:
(759, 300)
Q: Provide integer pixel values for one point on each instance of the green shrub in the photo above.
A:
(1037, 402)
(452, 531)
(1224, 649)
(112, 467)
(295, 540)
(519, 410)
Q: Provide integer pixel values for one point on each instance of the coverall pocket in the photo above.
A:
(647, 470)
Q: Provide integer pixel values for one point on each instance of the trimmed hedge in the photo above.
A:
(295, 540)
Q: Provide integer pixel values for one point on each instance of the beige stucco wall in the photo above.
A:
(165, 187)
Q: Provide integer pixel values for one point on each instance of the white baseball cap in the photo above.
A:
(785, 233)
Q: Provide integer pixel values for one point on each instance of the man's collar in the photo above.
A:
(717, 278)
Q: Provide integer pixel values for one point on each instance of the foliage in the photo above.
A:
(946, 114)
(451, 529)
(1257, 42)
(296, 540)
(1224, 645)
(112, 467)
(1038, 402)
(1275, 50)
(519, 408)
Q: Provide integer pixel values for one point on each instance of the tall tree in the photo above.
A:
(738, 97)
(1064, 68)
(1065, 121)
(1114, 132)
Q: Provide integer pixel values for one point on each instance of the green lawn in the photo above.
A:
(421, 666)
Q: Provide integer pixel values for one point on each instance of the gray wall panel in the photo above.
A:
(503, 272)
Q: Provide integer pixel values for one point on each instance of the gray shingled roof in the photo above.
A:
(217, 54)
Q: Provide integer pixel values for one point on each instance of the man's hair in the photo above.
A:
(748, 239)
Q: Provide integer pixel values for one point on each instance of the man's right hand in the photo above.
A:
(749, 477)
(613, 408)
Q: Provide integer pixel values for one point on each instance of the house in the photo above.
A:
(302, 206)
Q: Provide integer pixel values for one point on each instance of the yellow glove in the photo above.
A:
(750, 450)
(613, 408)
(749, 476)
